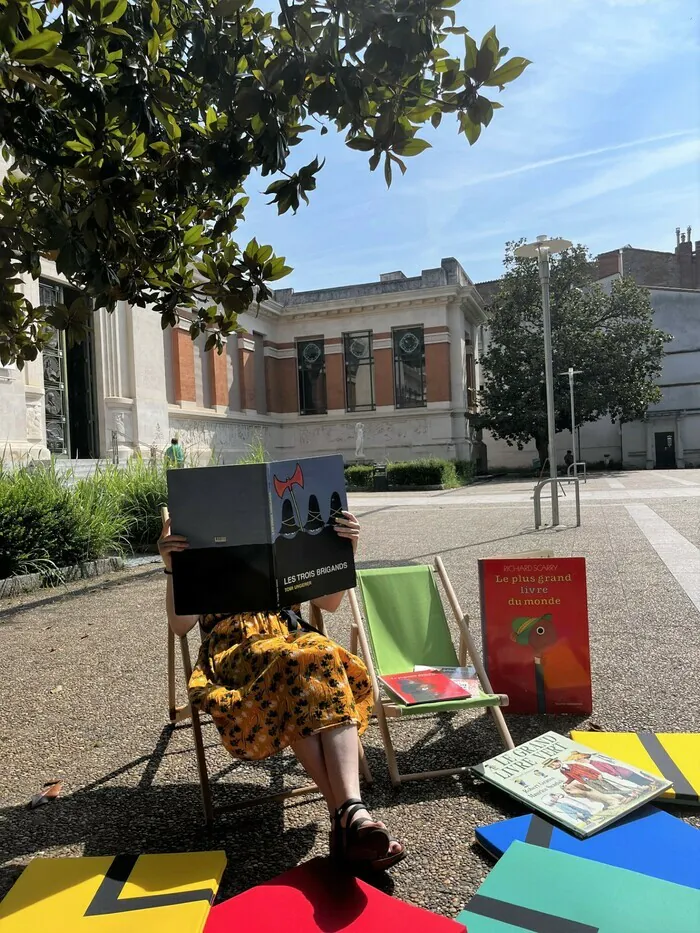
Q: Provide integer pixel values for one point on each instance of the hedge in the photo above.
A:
(359, 475)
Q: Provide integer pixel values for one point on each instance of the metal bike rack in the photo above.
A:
(538, 492)
(570, 470)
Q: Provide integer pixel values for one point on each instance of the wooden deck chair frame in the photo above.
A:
(187, 711)
(387, 709)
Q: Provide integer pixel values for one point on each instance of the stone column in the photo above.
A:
(651, 453)
(146, 360)
(680, 452)
(115, 385)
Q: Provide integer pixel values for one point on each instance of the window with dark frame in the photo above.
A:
(409, 367)
(311, 366)
(359, 371)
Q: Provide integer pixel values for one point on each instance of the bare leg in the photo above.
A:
(309, 752)
(343, 769)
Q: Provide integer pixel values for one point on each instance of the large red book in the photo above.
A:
(317, 897)
(534, 627)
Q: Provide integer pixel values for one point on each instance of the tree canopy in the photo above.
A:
(609, 336)
(132, 127)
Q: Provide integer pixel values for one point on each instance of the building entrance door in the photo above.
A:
(69, 389)
(665, 450)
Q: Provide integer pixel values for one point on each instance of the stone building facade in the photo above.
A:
(669, 435)
(395, 356)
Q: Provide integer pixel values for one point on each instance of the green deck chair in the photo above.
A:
(404, 624)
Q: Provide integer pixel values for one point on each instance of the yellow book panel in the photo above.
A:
(123, 894)
(673, 755)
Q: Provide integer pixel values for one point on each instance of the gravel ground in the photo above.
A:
(84, 701)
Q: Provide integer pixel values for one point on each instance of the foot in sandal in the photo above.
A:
(358, 840)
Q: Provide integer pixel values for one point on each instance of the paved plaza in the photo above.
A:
(84, 696)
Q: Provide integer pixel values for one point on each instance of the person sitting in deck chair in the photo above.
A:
(269, 680)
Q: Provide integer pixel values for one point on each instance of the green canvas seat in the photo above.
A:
(404, 625)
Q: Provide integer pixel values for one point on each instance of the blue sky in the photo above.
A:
(598, 141)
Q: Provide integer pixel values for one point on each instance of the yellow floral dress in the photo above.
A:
(265, 686)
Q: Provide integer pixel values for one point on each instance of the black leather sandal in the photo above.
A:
(362, 842)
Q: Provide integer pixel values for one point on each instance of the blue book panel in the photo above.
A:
(649, 841)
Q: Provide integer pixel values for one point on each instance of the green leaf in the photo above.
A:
(363, 143)
(138, 147)
(154, 47)
(227, 8)
(471, 130)
(187, 216)
(155, 12)
(471, 53)
(193, 235)
(511, 70)
(113, 11)
(36, 47)
(387, 170)
(279, 273)
(413, 147)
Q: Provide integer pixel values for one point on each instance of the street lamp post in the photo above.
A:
(571, 372)
(541, 250)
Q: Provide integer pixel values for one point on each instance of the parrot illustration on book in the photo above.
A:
(538, 633)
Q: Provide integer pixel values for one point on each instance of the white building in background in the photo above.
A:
(669, 435)
(396, 355)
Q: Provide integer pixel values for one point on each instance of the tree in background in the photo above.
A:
(610, 337)
(132, 127)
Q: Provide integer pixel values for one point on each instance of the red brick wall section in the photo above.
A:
(219, 378)
(384, 377)
(335, 388)
(608, 264)
(183, 366)
(281, 376)
(437, 372)
(246, 360)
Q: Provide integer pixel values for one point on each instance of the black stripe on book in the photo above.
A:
(107, 901)
(524, 918)
(539, 832)
(682, 787)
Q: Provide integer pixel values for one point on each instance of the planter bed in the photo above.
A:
(30, 582)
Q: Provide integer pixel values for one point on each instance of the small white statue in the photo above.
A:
(360, 440)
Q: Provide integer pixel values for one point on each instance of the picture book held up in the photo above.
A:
(534, 625)
(570, 783)
(261, 536)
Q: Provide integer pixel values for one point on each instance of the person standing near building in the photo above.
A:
(174, 454)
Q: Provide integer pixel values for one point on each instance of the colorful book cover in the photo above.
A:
(424, 687)
(649, 841)
(541, 890)
(570, 783)
(261, 535)
(465, 677)
(159, 893)
(672, 755)
(318, 898)
(534, 626)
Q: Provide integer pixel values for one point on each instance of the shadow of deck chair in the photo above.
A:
(406, 625)
(187, 711)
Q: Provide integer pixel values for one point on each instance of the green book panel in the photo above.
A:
(544, 891)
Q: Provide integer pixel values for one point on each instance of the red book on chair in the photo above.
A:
(317, 897)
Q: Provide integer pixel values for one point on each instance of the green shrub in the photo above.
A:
(359, 475)
(428, 472)
(466, 470)
(46, 524)
(256, 452)
(138, 491)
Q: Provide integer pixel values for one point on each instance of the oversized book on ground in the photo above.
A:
(429, 686)
(538, 889)
(672, 755)
(261, 535)
(534, 626)
(318, 897)
(570, 783)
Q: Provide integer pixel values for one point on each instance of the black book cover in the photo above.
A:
(261, 535)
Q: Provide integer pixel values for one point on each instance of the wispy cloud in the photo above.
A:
(449, 184)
